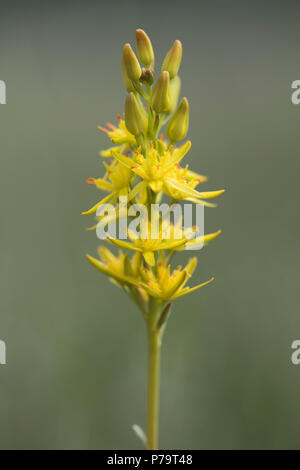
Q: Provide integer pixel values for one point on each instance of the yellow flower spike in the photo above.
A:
(147, 168)
(172, 60)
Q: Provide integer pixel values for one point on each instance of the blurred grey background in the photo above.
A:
(76, 347)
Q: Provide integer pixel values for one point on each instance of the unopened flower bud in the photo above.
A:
(175, 85)
(144, 47)
(131, 63)
(161, 93)
(127, 82)
(173, 59)
(179, 122)
(134, 115)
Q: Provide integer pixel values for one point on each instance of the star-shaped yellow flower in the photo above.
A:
(119, 135)
(166, 285)
(117, 181)
(160, 171)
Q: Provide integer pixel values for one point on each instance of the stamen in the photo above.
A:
(91, 181)
(103, 129)
(110, 126)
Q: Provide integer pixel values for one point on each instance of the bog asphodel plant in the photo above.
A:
(144, 166)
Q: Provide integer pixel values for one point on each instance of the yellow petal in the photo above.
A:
(178, 154)
(123, 244)
(103, 184)
(93, 209)
(202, 203)
(156, 185)
(191, 266)
(150, 290)
(171, 244)
(188, 290)
(149, 257)
(128, 162)
(210, 194)
(108, 152)
(179, 280)
(201, 240)
(137, 189)
(190, 192)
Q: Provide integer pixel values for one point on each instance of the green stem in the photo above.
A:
(154, 342)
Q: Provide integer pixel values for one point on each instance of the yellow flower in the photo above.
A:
(146, 244)
(109, 152)
(113, 266)
(169, 237)
(122, 271)
(160, 171)
(167, 285)
(119, 135)
(117, 181)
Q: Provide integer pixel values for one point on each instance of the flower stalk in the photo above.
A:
(154, 343)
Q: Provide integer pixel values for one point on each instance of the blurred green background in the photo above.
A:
(76, 347)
